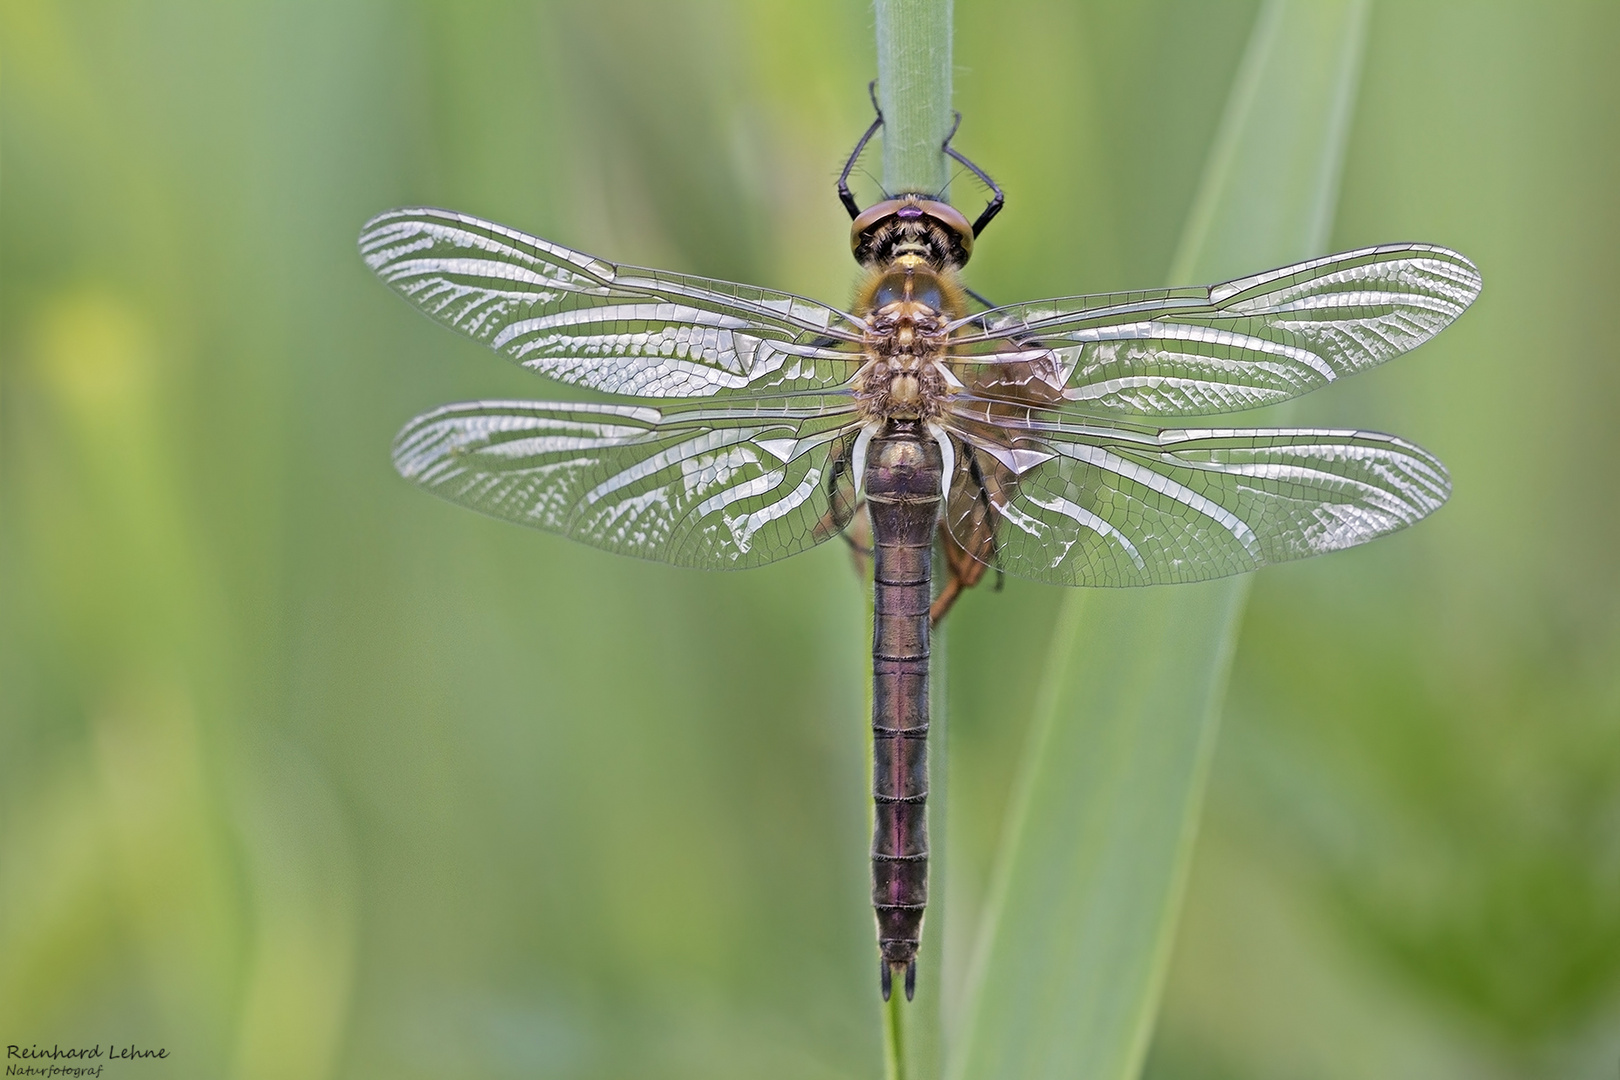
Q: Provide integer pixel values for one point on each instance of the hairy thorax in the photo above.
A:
(907, 309)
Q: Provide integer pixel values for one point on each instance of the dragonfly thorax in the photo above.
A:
(907, 307)
(888, 390)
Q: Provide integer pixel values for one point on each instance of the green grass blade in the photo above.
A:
(1082, 915)
(1071, 958)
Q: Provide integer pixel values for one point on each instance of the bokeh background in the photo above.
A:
(305, 774)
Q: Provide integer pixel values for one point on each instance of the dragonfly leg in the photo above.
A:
(859, 538)
(966, 564)
(963, 571)
(857, 533)
(997, 197)
(945, 600)
(843, 501)
(846, 196)
(834, 520)
(987, 304)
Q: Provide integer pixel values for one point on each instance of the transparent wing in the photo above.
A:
(693, 485)
(1250, 342)
(622, 329)
(1073, 504)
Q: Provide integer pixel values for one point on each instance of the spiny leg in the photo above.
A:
(843, 501)
(967, 567)
(858, 535)
(997, 198)
(977, 474)
(846, 196)
(844, 514)
(987, 304)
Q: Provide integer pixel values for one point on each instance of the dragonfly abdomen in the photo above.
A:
(902, 491)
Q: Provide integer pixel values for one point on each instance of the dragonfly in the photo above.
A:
(747, 425)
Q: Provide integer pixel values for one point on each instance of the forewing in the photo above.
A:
(694, 486)
(1079, 505)
(586, 321)
(1250, 342)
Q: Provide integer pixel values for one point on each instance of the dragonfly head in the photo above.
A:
(934, 231)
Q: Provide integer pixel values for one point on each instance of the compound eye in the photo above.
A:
(929, 297)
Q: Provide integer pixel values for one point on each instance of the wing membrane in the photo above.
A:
(1086, 505)
(589, 322)
(1246, 343)
(693, 486)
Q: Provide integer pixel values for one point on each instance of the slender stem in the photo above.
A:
(895, 1065)
(914, 92)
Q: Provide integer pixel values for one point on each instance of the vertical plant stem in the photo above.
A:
(914, 92)
(895, 1065)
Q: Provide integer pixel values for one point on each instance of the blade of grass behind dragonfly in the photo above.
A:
(1070, 961)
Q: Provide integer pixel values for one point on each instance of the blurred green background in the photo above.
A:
(305, 774)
